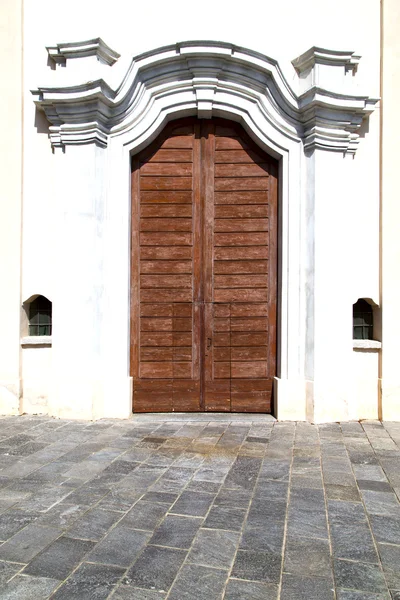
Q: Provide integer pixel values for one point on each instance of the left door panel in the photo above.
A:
(165, 277)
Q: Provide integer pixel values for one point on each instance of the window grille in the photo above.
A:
(40, 316)
(362, 320)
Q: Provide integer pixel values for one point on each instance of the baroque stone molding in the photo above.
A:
(206, 79)
(322, 56)
(95, 47)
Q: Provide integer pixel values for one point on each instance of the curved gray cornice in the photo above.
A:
(206, 78)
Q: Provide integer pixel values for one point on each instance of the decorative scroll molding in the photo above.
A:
(322, 56)
(205, 79)
(95, 47)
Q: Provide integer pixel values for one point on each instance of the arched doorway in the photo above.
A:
(203, 281)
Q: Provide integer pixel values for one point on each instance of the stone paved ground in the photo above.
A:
(199, 508)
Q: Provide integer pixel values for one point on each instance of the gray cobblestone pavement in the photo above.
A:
(199, 507)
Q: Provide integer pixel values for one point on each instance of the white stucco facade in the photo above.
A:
(314, 92)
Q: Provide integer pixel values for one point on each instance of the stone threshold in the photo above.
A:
(201, 417)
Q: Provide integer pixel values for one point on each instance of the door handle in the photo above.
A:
(209, 343)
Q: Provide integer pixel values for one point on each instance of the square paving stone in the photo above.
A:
(162, 497)
(353, 542)
(352, 595)
(90, 582)
(386, 529)
(145, 515)
(390, 557)
(262, 512)
(228, 498)
(381, 503)
(176, 532)
(208, 487)
(307, 523)
(156, 568)
(7, 570)
(13, 520)
(196, 582)
(62, 515)
(214, 548)
(194, 504)
(346, 513)
(128, 592)
(271, 490)
(28, 542)
(250, 590)
(342, 492)
(94, 524)
(59, 559)
(306, 588)
(377, 486)
(120, 547)
(243, 473)
(23, 587)
(87, 494)
(359, 576)
(268, 538)
(257, 566)
(308, 557)
(225, 518)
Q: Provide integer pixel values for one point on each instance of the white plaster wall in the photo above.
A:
(365, 368)
(390, 372)
(10, 202)
(63, 238)
(36, 374)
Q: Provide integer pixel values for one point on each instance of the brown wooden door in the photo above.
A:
(203, 281)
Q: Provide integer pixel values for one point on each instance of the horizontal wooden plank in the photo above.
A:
(182, 339)
(166, 266)
(178, 141)
(182, 353)
(182, 324)
(249, 310)
(165, 281)
(156, 339)
(217, 395)
(166, 238)
(257, 197)
(222, 354)
(156, 370)
(248, 339)
(156, 310)
(237, 225)
(240, 281)
(249, 324)
(186, 401)
(259, 402)
(165, 252)
(153, 169)
(170, 295)
(228, 184)
(152, 401)
(240, 266)
(242, 295)
(169, 183)
(165, 225)
(241, 211)
(172, 155)
(241, 170)
(165, 210)
(245, 385)
(237, 156)
(165, 197)
(253, 353)
(247, 253)
(183, 310)
(248, 369)
(222, 324)
(222, 370)
(241, 239)
(221, 339)
(229, 143)
(182, 370)
(155, 324)
(149, 354)
(222, 310)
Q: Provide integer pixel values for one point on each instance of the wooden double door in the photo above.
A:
(203, 277)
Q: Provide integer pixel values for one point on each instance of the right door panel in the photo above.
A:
(239, 270)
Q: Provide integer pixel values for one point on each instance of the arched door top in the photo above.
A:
(209, 79)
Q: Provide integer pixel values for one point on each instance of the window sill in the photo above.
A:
(366, 345)
(36, 340)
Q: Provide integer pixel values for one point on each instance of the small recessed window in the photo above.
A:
(40, 316)
(362, 320)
